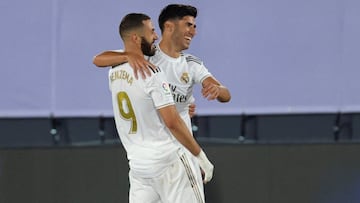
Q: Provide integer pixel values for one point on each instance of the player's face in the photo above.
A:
(149, 38)
(185, 30)
(147, 48)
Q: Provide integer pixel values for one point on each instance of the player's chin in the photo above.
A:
(186, 46)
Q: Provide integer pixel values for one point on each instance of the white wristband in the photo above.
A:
(205, 165)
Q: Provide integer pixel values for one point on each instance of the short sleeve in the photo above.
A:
(159, 90)
(199, 71)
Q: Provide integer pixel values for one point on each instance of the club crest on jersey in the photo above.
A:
(185, 77)
(166, 88)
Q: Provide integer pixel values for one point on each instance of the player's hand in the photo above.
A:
(205, 166)
(192, 110)
(140, 65)
(210, 91)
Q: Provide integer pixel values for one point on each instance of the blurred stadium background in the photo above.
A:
(290, 133)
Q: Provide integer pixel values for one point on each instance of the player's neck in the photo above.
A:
(169, 49)
(133, 48)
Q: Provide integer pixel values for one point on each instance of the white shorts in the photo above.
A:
(177, 184)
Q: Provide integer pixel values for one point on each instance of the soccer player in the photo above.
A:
(183, 71)
(150, 128)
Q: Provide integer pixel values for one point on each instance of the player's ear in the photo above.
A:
(135, 37)
(169, 26)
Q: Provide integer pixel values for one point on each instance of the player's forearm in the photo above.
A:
(179, 129)
(213, 89)
(110, 58)
(183, 135)
(224, 94)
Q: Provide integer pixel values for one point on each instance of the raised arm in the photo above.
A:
(213, 89)
(113, 58)
(180, 131)
(110, 58)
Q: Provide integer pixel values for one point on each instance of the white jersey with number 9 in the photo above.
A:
(149, 144)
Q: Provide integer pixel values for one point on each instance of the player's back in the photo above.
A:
(149, 144)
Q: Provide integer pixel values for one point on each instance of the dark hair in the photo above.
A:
(131, 21)
(175, 12)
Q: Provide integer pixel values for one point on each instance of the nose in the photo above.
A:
(193, 31)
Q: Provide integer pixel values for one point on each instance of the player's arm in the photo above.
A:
(213, 89)
(180, 131)
(110, 58)
(113, 58)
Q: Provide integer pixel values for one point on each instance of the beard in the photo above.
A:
(147, 48)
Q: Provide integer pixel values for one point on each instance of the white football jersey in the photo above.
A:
(182, 73)
(149, 144)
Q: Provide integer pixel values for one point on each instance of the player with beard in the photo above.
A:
(183, 71)
(149, 126)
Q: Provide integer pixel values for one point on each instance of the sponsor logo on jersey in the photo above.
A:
(178, 97)
(185, 77)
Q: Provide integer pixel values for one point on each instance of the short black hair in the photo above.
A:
(175, 12)
(131, 21)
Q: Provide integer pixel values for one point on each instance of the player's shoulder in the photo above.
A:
(155, 73)
(120, 66)
(190, 58)
(156, 78)
(122, 69)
